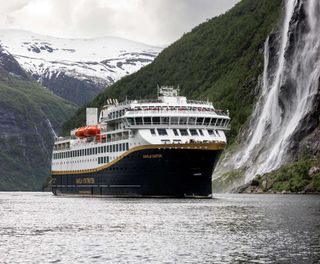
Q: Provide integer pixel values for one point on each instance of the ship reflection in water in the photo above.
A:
(41, 228)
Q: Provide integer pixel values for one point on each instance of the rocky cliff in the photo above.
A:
(29, 117)
(284, 126)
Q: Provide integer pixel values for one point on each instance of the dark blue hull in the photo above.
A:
(158, 172)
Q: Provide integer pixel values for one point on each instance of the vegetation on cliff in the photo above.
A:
(27, 112)
(300, 176)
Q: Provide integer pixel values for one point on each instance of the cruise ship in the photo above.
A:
(164, 147)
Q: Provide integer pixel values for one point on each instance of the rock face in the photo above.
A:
(285, 122)
(29, 114)
(76, 69)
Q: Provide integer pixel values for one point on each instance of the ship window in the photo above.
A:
(127, 146)
(107, 158)
(117, 147)
(165, 141)
(199, 121)
(213, 121)
(164, 120)
(147, 120)
(174, 120)
(152, 131)
(176, 141)
(104, 149)
(184, 132)
(156, 120)
(162, 132)
(175, 131)
(138, 120)
(183, 120)
(211, 133)
(200, 131)
(192, 120)
(207, 121)
(225, 122)
(113, 148)
(193, 132)
(130, 121)
(218, 133)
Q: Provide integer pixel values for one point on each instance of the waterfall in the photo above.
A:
(54, 134)
(288, 92)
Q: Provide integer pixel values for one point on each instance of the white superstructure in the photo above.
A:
(170, 119)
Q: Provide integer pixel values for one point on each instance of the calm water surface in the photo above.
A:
(41, 228)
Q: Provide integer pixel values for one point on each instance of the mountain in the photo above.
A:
(30, 115)
(220, 60)
(76, 69)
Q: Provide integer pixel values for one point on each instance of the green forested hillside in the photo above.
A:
(219, 60)
(27, 112)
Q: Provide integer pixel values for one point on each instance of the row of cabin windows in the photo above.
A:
(116, 114)
(175, 120)
(184, 132)
(102, 160)
(91, 151)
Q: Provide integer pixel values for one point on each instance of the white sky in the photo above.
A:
(156, 22)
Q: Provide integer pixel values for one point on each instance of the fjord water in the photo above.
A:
(41, 228)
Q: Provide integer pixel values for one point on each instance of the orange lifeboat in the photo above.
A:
(88, 131)
(91, 131)
(80, 132)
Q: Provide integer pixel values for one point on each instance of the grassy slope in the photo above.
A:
(293, 177)
(24, 158)
(220, 60)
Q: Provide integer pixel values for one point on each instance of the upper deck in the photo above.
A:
(168, 109)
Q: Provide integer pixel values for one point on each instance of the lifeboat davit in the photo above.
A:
(88, 131)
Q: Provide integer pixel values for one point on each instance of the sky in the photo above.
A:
(155, 22)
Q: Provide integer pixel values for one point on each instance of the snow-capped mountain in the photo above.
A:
(76, 69)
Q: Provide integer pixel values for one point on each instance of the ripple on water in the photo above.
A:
(41, 228)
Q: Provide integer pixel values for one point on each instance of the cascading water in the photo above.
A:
(288, 92)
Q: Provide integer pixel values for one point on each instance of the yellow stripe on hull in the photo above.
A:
(195, 146)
